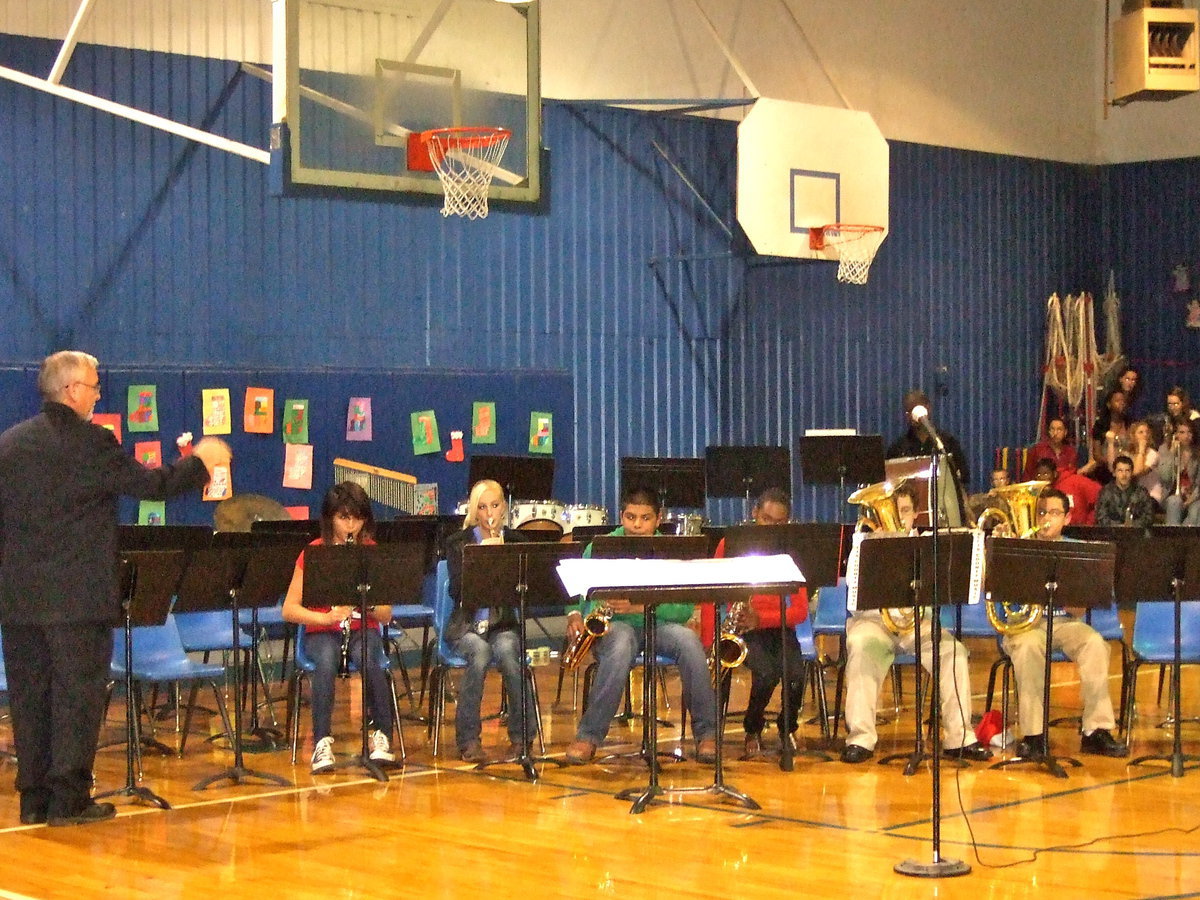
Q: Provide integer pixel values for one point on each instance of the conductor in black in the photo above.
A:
(60, 476)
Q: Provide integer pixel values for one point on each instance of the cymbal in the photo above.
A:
(238, 513)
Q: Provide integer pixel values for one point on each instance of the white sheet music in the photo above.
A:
(581, 575)
(978, 565)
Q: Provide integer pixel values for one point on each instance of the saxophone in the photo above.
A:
(729, 649)
(595, 625)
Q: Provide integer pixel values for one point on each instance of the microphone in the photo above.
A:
(920, 415)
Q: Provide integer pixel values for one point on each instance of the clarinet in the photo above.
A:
(344, 668)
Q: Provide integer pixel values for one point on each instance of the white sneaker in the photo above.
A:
(322, 758)
(381, 748)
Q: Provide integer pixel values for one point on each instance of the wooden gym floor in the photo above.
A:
(440, 828)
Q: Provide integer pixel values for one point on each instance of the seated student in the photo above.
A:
(1179, 472)
(1083, 492)
(641, 513)
(870, 649)
(346, 518)
(1145, 461)
(1053, 447)
(1082, 643)
(762, 636)
(481, 635)
(1122, 501)
(1110, 436)
(999, 477)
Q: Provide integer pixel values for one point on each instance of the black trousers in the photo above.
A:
(57, 675)
(763, 659)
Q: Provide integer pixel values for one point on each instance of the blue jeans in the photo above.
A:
(1178, 514)
(324, 648)
(615, 654)
(479, 652)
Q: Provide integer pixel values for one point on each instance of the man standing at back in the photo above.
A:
(60, 476)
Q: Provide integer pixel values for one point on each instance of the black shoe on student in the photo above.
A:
(1101, 743)
(854, 754)
(1032, 746)
(974, 751)
(93, 812)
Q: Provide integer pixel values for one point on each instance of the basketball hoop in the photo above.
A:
(854, 246)
(465, 160)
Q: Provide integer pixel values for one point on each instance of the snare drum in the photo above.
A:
(461, 509)
(582, 514)
(523, 512)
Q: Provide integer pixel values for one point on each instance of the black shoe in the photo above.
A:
(975, 752)
(754, 748)
(93, 812)
(1101, 743)
(473, 753)
(34, 809)
(852, 753)
(706, 751)
(1032, 746)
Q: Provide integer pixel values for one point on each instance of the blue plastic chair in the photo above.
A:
(413, 616)
(160, 658)
(1154, 642)
(304, 667)
(445, 659)
(813, 672)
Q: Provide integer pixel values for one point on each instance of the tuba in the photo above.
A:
(878, 513)
(595, 625)
(1021, 520)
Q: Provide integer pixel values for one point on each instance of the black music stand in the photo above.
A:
(268, 572)
(746, 472)
(1168, 568)
(343, 576)
(1064, 573)
(149, 580)
(841, 458)
(530, 477)
(213, 581)
(649, 598)
(658, 546)
(816, 549)
(678, 481)
(502, 575)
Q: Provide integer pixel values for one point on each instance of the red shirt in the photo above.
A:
(355, 622)
(1066, 459)
(766, 605)
(1083, 492)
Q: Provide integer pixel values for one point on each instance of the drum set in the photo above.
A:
(534, 515)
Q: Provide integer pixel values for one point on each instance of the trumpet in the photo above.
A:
(729, 649)
(595, 625)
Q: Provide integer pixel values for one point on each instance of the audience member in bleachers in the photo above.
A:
(1083, 492)
(1145, 461)
(1122, 501)
(1110, 437)
(1054, 447)
(1179, 470)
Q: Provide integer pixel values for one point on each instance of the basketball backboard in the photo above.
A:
(356, 79)
(801, 167)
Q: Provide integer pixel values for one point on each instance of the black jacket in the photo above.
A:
(461, 619)
(59, 481)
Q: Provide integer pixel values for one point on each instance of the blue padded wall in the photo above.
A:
(152, 252)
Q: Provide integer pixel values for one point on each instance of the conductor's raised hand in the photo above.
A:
(213, 452)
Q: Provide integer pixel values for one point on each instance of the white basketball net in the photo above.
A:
(465, 160)
(855, 246)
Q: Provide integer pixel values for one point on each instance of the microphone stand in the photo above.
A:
(940, 867)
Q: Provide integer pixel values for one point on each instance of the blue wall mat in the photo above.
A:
(145, 249)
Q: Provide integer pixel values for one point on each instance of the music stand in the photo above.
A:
(343, 576)
(149, 579)
(1064, 573)
(649, 598)
(271, 557)
(1169, 567)
(503, 575)
(525, 477)
(816, 549)
(841, 458)
(213, 582)
(678, 481)
(746, 472)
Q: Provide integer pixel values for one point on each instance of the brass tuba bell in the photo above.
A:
(1021, 521)
(878, 512)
